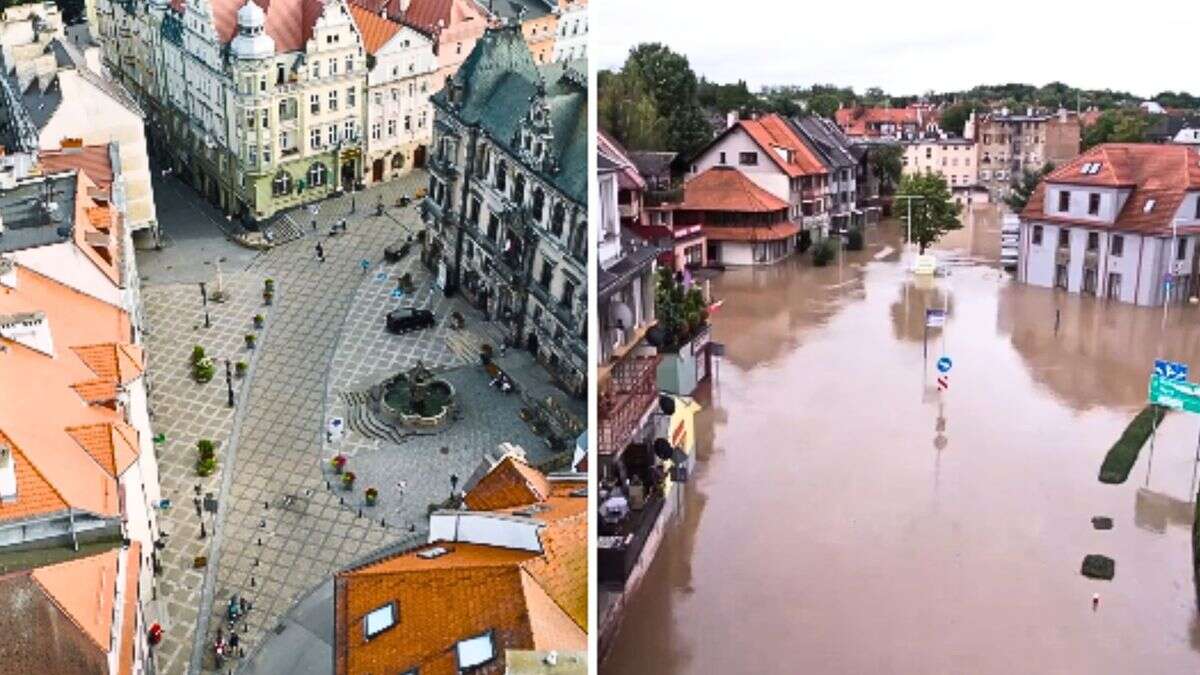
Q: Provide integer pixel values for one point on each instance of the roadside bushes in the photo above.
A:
(854, 240)
(202, 366)
(823, 252)
(206, 461)
(1124, 453)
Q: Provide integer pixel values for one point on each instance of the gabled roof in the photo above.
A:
(651, 163)
(1162, 174)
(448, 591)
(724, 188)
(854, 121)
(432, 16)
(609, 149)
(827, 141)
(84, 589)
(376, 30)
(113, 445)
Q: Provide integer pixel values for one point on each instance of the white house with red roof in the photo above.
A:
(1121, 221)
(743, 223)
(769, 152)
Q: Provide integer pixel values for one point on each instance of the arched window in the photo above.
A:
(282, 184)
(518, 193)
(557, 216)
(318, 175)
(502, 175)
(398, 160)
(539, 204)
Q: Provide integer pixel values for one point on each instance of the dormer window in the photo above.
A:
(1149, 206)
(475, 652)
(379, 620)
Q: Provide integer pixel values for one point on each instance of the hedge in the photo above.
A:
(1124, 453)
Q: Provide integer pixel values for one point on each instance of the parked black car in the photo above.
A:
(396, 252)
(408, 319)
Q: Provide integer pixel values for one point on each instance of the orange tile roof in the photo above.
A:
(772, 133)
(768, 233)
(35, 495)
(510, 483)
(85, 589)
(1163, 174)
(375, 30)
(94, 160)
(289, 22)
(529, 600)
(854, 121)
(100, 216)
(724, 188)
(109, 444)
(116, 362)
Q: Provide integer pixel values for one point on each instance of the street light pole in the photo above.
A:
(909, 199)
(204, 300)
(229, 381)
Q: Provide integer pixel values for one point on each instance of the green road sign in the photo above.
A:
(1174, 394)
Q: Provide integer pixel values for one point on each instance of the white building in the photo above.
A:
(399, 83)
(1121, 221)
(570, 42)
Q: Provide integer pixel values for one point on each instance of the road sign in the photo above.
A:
(943, 383)
(944, 364)
(935, 318)
(1174, 394)
(1171, 370)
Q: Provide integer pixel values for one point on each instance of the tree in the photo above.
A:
(1023, 188)
(934, 213)
(671, 84)
(1116, 126)
(954, 120)
(681, 312)
(626, 110)
(824, 105)
(886, 163)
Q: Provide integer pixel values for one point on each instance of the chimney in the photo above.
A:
(8, 475)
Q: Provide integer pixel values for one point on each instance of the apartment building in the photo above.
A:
(259, 109)
(1121, 221)
(570, 41)
(401, 77)
(1009, 144)
(52, 98)
(507, 202)
(845, 165)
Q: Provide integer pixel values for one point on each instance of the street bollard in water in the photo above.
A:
(1095, 601)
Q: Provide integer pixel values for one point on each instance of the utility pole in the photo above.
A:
(909, 199)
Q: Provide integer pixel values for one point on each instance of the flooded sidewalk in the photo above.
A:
(845, 517)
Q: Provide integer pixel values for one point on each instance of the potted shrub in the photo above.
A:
(239, 368)
(268, 296)
(250, 338)
(269, 285)
(372, 496)
(259, 320)
(348, 480)
(203, 370)
(338, 463)
(197, 354)
(206, 461)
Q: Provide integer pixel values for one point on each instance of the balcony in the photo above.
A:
(442, 166)
(631, 393)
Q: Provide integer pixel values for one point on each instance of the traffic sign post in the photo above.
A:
(1169, 388)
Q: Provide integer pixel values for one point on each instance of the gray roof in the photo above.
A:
(826, 140)
(651, 163)
(631, 264)
(499, 81)
(30, 221)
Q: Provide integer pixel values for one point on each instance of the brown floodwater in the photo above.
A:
(824, 531)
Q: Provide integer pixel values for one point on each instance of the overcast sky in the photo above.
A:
(908, 48)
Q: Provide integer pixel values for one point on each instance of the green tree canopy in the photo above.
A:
(681, 312)
(1023, 187)
(824, 105)
(886, 162)
(954, 119)
(934, 212)
(625, 109)
(654, 72)
(1116, 126)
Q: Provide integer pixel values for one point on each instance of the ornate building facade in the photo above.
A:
(507, 202)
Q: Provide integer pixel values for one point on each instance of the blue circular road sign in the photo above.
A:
(943, 364)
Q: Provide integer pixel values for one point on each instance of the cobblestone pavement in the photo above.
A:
(283, 525)
(185, 412)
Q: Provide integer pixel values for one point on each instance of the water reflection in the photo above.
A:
(1154, 511)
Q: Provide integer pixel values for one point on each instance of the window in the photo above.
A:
(350, 97)
(1064, 237)
(722, 159)
(331, 134)
(748, 158)
(379, 620)
(333, 100)
(348, 131)
(317, 175)
(391, 127)
(547, 274)
(1094, 204)
(376, 130)
(1117, 246)
(282, 184)
(349, 64)
(408, 122)
(568, 293)
(333, 66)
(1093, 241)
(1198, 208)
(1037, 235)
(1064, 200)
(1181, 249)
(314, 103)
(314, 139)
(315, 71)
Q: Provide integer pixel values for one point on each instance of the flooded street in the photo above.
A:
(824, 530)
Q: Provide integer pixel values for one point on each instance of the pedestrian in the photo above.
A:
(196, 501)
(365, 264)
(343, 225)
(314, 224)
(320, 252)
(234, 639)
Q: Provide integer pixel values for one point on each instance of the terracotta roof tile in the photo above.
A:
(110, 447)
(375, 30)
(93, 160)
(35, 495)
(133, 568)
(854, 120)
(510, 483)
(772, 133)
(100, 216)
(85, 589)
(766, 233)
(1163, 174)
(112, 361)
(724, 188)
(289, 22)
(551, 627)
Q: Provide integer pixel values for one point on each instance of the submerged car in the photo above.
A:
(408, 319)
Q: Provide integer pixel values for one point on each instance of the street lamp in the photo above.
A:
(910, 199)
(204, 300)
(229, 381)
